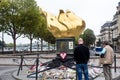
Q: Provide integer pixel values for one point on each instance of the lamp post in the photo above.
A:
(114, 48)
(118, 38)
(109, 34)
(112, 39)
(115, 40)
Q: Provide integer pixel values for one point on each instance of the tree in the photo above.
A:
(10, 18)
(4, 5)
(42, 32)
(3, 8)
(49, 38)
(10, 45)
(19, 17)
(89, 37)
(31, 20)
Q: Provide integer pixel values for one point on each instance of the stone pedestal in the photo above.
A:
(65, 45)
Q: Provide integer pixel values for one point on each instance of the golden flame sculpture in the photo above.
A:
(66, 24)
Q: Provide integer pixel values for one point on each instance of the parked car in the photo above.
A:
(97, 50)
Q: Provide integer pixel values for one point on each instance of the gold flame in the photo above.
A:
(66, 24)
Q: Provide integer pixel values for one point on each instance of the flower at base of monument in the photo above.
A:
(33, 68)
(93, 72)
(62, 68)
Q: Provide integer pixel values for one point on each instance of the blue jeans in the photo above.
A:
(82, 68)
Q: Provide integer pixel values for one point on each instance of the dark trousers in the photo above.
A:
(107, 71)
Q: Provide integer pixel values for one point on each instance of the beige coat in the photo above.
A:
(109, 56)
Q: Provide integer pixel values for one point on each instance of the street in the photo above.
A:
(6, 72)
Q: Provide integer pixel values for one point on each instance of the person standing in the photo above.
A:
(81, 57)
(107, 60)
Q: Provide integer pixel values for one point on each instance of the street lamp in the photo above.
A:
(115, 39)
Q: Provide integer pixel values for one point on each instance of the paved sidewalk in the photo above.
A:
(23, 74)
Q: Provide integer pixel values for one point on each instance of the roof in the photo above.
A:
(107, 24)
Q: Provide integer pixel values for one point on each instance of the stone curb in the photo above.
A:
(4, 71)
(14, 75)
(21, 76)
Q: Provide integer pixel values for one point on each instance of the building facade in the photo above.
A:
(105, 32)
(110, 31)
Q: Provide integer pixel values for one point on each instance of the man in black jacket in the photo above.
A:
(81, 57)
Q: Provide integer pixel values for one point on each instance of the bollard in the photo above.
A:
(37, 64)
(115, 62)
(20, 67)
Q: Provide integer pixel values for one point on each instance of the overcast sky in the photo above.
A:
(94, 12)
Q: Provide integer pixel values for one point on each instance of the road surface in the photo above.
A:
(6, 72)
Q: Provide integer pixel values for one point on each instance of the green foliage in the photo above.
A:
(18, 17)
(10, 17)
(29, 18)
(9, 10)
(89, 37)
(4, 6)
(10, 45)
(50, 38)
(42, 31)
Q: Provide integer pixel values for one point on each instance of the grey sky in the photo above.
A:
(94, 12)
